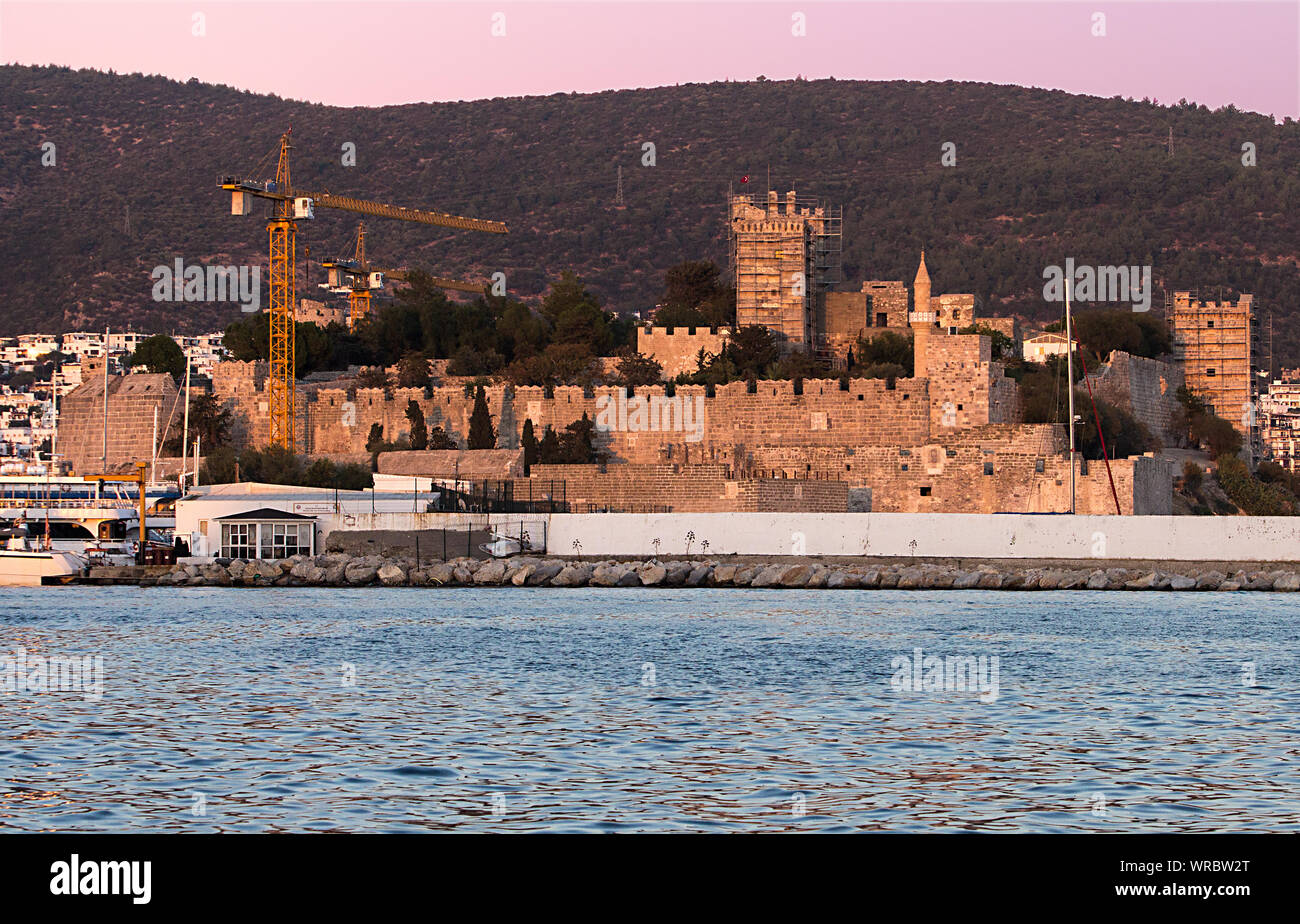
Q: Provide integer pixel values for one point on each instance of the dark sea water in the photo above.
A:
(535, 709)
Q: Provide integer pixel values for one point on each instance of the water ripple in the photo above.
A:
(650, 710)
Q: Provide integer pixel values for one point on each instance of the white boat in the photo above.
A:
(503, 544)
(23, 565)
(98, 519)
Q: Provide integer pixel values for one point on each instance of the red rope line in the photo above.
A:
(1101, 436)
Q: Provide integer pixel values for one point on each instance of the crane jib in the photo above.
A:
(364, 207)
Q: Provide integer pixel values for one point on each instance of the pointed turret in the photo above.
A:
(922, 321)
(921, 287)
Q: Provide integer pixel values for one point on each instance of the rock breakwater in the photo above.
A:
(341, 570)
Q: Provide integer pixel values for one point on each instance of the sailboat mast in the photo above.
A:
(1069, 384)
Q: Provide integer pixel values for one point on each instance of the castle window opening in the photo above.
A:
(1040, 466)
(925, 492)
(988, 468)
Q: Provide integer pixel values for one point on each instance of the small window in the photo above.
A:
(1209, 323)
(925, 492)
(959, 407)
(988, 468)
(904, 466)
(952, 330)
(1040, 466)
(1209, 373)
(882, 319)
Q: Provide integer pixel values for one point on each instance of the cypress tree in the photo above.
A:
(481, 434)
(530, 444)
(548, 452)
(419, 431)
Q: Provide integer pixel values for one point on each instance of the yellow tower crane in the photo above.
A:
(289, 206)
(362, 278)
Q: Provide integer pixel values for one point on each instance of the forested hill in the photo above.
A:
(1040, 176)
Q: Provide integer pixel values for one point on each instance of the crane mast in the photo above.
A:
(288, 207)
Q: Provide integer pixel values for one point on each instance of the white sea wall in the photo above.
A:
(947, 535)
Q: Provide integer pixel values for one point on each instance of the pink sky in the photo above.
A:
(366, 54)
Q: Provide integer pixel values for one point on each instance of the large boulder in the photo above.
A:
(608, 574)
(870, 577)
(796, 576)
(1289, 582)
(517, 564)
(492, 572)
(1210, 580)
(1181, 582)
(723, 574)
(307, 572)
(910, 578)
(698, 576)
(938, 578)
(360, 571)
(391, 574)
(1148, 581)
(441, 573)
(767, 576)
(576, 575)
(652, 573)
(544, 572)
(1260, 581)
(630, 577)
(677, 572)
(263, 572)
(843, 580)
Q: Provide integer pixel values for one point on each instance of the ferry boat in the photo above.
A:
(24, 563)
(96, 519)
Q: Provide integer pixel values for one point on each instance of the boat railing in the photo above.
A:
(17, 503)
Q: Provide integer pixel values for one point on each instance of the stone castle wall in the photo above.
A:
(132, 400)
(1146, 388)
(676, 348)
(660, 488)
(940, 433)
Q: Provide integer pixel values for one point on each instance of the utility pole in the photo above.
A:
(185, 429)
(104, 459)
(153, 448)
(1069, 383)
(54, 397)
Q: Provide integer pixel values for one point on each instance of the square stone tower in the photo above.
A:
(784, 258)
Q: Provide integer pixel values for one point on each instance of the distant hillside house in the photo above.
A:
(1038, 349)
